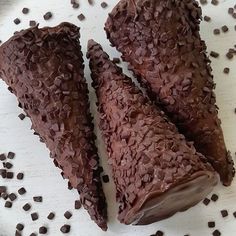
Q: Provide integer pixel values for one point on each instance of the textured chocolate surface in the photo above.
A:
(161, 42)
(156, 172)
(44, 68)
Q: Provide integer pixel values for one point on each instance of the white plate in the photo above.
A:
(32, 157)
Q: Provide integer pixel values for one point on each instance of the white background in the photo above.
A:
(32, 157)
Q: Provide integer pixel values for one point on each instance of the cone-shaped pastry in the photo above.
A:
(160, 40)
(44, 69)
(156, 172)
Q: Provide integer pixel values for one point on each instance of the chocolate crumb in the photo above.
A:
(51, 216)
(4, 196)
(207, 18)
(77, 204)
(91, 2)
(20, 226)
(11, 155)
(203, 2)
(32, 23)
(75, 5)
(8, 204)
(22, 116)
(27, 207)
(9, 175)
(38, 198)
(104, 5)
(105, 178)
(216, 233)
(224, 213)
(65, 229)
(226, 70)
(3, 173)
(33, 234)
(230, 10)
(206, 201)
(25, 10)
(215, 2)
(17, 21)
(225, 28)
(67, 215)
(116, 60)
(43, 230)
(12, 196)
(8, 165)
(159, 233)
(22, 191)
(17, 233)
(20, 176)
(216, 31)
(214, 197)
(214, 54)
(81, 17)
(47, 16)
(34, 216)
(3, 189)
(229, 55)
(211, 224)
(2, 157)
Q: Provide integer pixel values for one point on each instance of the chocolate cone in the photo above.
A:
(156, 172)
(44, 69)
(160, 40)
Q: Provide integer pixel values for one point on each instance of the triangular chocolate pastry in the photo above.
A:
(156, 172)
(44, 69)
(161, 42)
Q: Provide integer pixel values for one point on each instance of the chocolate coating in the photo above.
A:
(161, 42)
(156, 172)
(44, 69)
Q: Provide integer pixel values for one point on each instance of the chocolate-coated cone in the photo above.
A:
(44, 69)
(156, 172)
(160, 40)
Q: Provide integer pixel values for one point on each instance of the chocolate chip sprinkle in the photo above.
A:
(226, 70)
(51, 216)
(224, 213)
(65, 229)
(10, 155)
(38, 198)
(214, 197)
(230, 10)
(8, 204)
(203, 2)
(211, 224)
(9, 175)
(215, 2)
(26, 207)
(207, 18)
(216, 31)
(12, 196)
(47, 16)
(216, 233)
(81, 17)
(22, 116)
(17, 21)
(68, 214)
(206, 201)
(77, 204)
(20, 226)
(43, 230)
(2, 157)
(3, 189)
(105, 178)
(32, 23)
(20, 176)
(25, 10)
(34, 216)
(22, 191)
(225, 28)
(104, 5)
(214, 54)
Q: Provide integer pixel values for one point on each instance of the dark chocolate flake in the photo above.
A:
(216, 233)
(51, 216)
(38, 198)
(230, 10)
(8, 204)
(216, 31)
(215, 2)
(214, 54)
(4, 196)
(226, 70)
(206, 201)
(211, 224)
(207, 18)
(47, 16)
(32, 23)
(43, 230)
(25, 10)
(9, 175)
(65, 229)
(27, 207)
(214, 197)
(12, 196)
(81, 17)
(2, 157)
(77, 204)
(68, 215)
(8, 165)
(11, 155)
(224, 213)
(104, 5)
(225, 28)
(3, 189)
(20, 226)
(22, 191)
(22, 116)
(203, 2)
(20, 176)
(159, 233)
(34, 216)
(17, 21)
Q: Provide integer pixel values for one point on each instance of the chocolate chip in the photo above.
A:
(230, 10)
(216, 233)
(20, 226)
(47, 15)
(25, 10)
(33, 234)
(17, 233)
(77, 204)
(12, 196)
(225, 28)
(234, 15)
(34, 216)
(3, 173)
(8, 165)
(65, 229)
(91, 2)
(8, 204)
(104, 5)
(9, 175)
(38, 199)
(20, 176)
(17, 21)
(206, 201)
(211, 224)
(203, 2)
(32, 23)
(22, 116)
(22, 191)
(75, 5)
(116, 60)
(67, 215)
(234, 214)
(51, 216)
(27, 207)
(214, 54)
(159, 233)
(105, 178)
(81, 17)
(226, 70)
(43, 230)
(229, 55)
(207, 18)
(4, 196)
(11, 155)
(214, 197)
(215, 2)
(3, 189)
(2, 157)
(224, 213)
(216, 31)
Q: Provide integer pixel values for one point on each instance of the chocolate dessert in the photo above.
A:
(156, 171)
(161, 42)
(44, 69)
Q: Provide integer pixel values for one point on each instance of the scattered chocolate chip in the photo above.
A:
(17, 233)
(20, 176)
(22, 191)
(25, 10)
(207, 18)
(2, 157)
(3, 173)
(211, 224)
(47, 15)
(77, 204)
(33, 234)
(116, 60)
(81, 17)
(214, 197)
(65, 229)
(214, 54)
(12, 196)
(104, 5)
(3, 189)
(27, 207)
(8, 165)
(17, 21)
(32, 23)
(159, 233)
(206, 201)
(229, 55)
(225, 28)
(34, 216)
(22, 116)
(216, 233)
(11, 155)
(216, 31)
(226, 70)
(51, 216)
(20, 226)
(75, 5)
(230, 10)
(38, 198)
(203, 2)
(234, 15)
(91, 2)
(215, 2)
(67, 215)
(224, 213)
(234, 214)
(8, 204)
(105, 178)
(4, 196)
(43, 230)
(9, 175)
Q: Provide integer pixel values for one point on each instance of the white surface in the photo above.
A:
(32, 157)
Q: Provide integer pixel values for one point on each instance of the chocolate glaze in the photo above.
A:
(44, 69)
(156, 171)
(161, 41)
